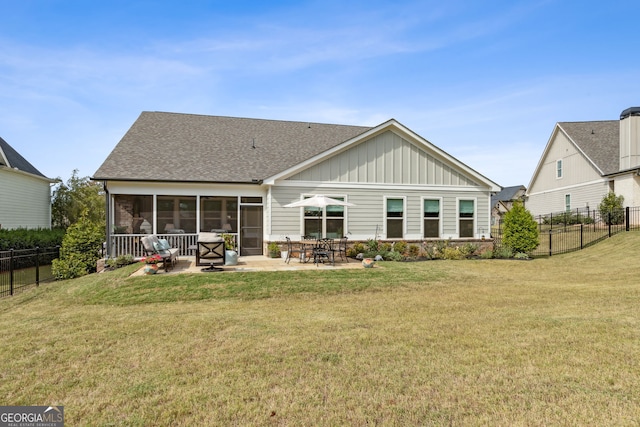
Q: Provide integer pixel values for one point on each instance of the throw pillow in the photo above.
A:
(164, 244)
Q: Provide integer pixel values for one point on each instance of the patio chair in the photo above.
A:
(291, 250)
(324, 251)
(210, 247)
(342, 249)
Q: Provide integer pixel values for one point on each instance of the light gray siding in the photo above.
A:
(385, 159)
(24, 201)
(368, 215)
(582, 196)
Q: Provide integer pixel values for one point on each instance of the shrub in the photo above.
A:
(520, 229)
(80, 250)
(611, 209)
(452, 253)
(414, 250)
(503, 252)
(385, 247)
(488, 254)
(521, 255)
(400, 247)
(373, 245)
(355, 249)
(120, 261)
(469, 249)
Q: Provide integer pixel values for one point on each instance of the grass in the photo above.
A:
(550, 341)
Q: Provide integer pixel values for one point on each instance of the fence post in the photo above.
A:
(37, 265)
(626, 218)
(550, 247)
(581, 236)
(10, 271)
(609, 223)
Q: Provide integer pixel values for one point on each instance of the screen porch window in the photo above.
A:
(176, 214)
(466, 217)
(219, 214)
(327, 222)
(395, 218)
(431, 218)
(133, 214)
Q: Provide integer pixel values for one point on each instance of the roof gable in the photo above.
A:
(195, 148)
(458, 172)
(12, 159)
(597, 141)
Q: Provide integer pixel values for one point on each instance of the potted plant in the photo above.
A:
(151, 262)
(230, 256)
(274, 250)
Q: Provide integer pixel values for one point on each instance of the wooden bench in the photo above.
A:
(151, 245)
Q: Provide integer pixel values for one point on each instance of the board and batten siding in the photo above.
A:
(385, 159)
(25, 201)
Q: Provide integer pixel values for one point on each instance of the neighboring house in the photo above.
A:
(25, 193)
(583, 161)
(181, 174)
(502, 202)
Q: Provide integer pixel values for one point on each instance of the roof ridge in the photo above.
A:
(257, 119)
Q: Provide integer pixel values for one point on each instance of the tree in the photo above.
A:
(76, 196)
(611, 210)
(520, 230)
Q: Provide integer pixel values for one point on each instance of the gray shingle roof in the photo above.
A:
(599, 140)
(186, 147)
(15, 160)
(506, 195)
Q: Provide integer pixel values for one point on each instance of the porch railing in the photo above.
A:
(130, 244)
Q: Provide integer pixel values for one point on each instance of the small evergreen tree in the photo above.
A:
(611, 210)
(80, 249)
(520, 230)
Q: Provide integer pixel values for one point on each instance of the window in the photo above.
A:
(176, 214)
(431, 218)
(219, 214)
(558, 168)
(465, 217)
(133, 214)
(395, 218)
(327, 222)
(567, 202)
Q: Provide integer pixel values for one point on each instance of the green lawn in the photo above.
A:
(552, 341)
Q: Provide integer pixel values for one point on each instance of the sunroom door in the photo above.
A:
(250, 230)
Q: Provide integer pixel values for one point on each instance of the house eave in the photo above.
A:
(173, 181)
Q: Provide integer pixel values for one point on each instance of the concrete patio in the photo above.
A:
(256, 263)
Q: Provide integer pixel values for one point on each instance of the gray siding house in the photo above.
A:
(583, 161)
(25, 196)
(179, 174)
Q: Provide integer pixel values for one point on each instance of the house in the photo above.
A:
(180, 174)
(502, 202)
(583, 161)
(25, 193)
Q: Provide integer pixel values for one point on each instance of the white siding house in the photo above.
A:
(236, 175)
(583, 161)
(25, 197)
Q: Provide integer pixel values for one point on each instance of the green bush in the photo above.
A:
(488, 254)
(120, 261)
(414, 250)
(22, 238)
(469, 249)
(611, 209)
(400, 247)
(373, 245)
(80, 250)
(452, 253)
(503, 252)
(520, 229)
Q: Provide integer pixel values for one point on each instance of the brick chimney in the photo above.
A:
(630, 138)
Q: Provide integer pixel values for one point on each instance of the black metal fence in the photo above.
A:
(577, 229)
(22, 268)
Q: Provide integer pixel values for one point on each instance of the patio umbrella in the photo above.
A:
(318, 201)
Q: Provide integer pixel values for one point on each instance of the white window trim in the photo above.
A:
(404, 216)
(475, 216)
(564, 202)
(561, 170)
(323, 227)
(440, 228)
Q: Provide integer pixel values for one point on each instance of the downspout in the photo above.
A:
(107, 217)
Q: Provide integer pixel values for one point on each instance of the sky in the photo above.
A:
(484, 81)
